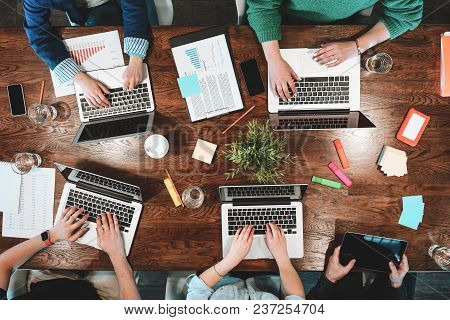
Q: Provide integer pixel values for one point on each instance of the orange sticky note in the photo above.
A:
(445, 64)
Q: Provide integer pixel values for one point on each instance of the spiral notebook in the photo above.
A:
(26, 201)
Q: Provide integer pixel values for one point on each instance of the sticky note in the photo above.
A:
(189, 85)
(204, 151)
(408, 221)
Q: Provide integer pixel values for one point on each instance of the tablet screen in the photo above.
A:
(371, 252)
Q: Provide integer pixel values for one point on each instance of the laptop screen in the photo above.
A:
(114, 128)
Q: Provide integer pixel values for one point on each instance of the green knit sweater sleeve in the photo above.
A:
(265, 18)
(401, 15)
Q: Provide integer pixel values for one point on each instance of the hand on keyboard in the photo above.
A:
(69, 227)
(276, 242)
(94, 91)
(109, 238)
(133, 74)
(241, 245)
(281, 81)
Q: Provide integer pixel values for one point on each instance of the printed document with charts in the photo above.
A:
(27, 205)
(210, 60)
(92, 52)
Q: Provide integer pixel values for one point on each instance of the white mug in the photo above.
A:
(156, 146)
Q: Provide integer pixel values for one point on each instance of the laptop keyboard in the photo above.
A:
(95, 206)
(320, 90)
(319, 123)
(259, 217)
(257, 191)
(120, 101)
(108, 183)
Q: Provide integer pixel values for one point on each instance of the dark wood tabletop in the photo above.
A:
(188, 239)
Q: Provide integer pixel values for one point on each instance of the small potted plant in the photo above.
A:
(258, 154)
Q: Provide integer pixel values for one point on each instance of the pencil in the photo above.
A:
(170, 178)
(41, 97)
(238, 119)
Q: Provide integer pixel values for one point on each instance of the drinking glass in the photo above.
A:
(23, 162)
(379, 63)
(193, 197)
(41, 113)
(441, 255)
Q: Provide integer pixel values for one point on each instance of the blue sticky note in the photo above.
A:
(189, 85)
(409, 221)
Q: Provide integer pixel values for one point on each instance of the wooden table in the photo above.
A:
(179, 239)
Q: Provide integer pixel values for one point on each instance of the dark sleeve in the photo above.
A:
(136, 25)
(322, 291)
(2, 294)
(42, 37)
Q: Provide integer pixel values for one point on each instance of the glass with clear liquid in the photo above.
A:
(380, 63)
(23, 162)
(41, 113)
(193, 197)
(441, 255)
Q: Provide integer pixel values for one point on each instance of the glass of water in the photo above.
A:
(23, 162)
(41, 113)
(193, 197)
(380, 63)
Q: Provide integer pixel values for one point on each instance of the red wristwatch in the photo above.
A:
(45, 236)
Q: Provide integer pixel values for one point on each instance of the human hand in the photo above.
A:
(276, 242)
(281, 75)
(332, 54)
(240, 247)
(68, 227)
(335, 270)
(109, 238)
(133, 73)
(397, 274)
(94, 91)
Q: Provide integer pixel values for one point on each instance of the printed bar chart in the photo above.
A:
(84, 51)
(193, 57)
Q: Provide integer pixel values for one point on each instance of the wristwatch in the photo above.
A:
(45, 236)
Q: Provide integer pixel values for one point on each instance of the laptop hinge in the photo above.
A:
(105, 192)
(328, 112)
(261, 201)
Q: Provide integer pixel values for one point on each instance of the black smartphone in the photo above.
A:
(371, 252)
(252, 77)
(16, 100)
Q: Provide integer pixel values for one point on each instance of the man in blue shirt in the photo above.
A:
(50, 48)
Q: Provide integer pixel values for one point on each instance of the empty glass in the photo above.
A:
(193, 197)
(23, 162)
(441, 255)
(41, 113)
(379, 63)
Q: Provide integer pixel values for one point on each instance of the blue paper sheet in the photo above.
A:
(412, 214)
(189, 85)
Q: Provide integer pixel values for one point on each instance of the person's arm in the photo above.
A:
(398, 290)
(202, 287)
(68, 228)
(136, 40)
(110, 240)
(290, 280)
(334, 272)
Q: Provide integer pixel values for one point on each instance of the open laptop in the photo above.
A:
(258, 205)
(327, 98)
(129, 112)
(98, 194)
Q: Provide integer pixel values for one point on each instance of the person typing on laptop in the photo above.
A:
(48, 45)
(215, 284)
(265, 18)
(58, 286)
(337, 282)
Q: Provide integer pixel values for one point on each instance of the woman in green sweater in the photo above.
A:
(264, 17)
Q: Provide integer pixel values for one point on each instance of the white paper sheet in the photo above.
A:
(211, 61)
(35, 213)
(93, 52)
(9, 188)
(413, 127)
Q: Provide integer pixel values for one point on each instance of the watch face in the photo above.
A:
(44, 236)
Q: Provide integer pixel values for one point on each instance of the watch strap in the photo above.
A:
(45, 236)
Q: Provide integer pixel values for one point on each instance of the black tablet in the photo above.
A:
(371, 252)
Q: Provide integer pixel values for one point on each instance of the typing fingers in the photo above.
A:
(99, 226)
(105, 224)
(78, 234)
(68, 213)
(280, 91)
(287, 94)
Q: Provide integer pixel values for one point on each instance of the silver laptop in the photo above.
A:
(258, 205)
(140, 99)
(98, 194)
(327, 98)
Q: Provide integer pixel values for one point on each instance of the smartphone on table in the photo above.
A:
(16, 100)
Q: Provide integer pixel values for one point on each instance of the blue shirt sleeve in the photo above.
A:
(136, 25)
(198, 290)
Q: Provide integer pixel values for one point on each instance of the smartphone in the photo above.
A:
(252, 77)
(16, 100)
(371, 252)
